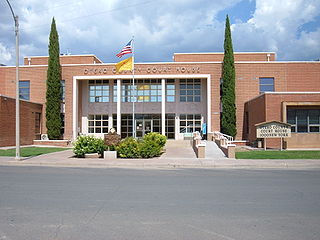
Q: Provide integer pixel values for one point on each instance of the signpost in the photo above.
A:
(273, 129)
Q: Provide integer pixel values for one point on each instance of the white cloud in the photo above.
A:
(5, 54)
(275, 25)
(161, 27)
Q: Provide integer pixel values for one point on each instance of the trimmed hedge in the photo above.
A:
(149, 146)
(128, 148)
(88, 144)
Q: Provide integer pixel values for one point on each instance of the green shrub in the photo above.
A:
(149, 149)
(128, 148)
(88, 144)
(149, 146)
(156, 137)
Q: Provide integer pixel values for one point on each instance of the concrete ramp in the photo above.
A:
(213, 151)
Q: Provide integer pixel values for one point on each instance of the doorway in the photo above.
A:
(143, 127)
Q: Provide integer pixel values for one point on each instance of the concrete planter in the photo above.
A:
(91, 155)
(110, 155)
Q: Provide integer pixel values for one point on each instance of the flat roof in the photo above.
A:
(66, 55)
(223, 53)
(20, 99)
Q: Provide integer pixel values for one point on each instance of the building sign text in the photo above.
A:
(273, 130)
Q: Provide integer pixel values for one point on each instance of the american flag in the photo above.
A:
(125, 50)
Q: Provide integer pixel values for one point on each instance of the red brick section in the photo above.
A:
(8, 121)
(65, 59)
(255, 114)
(289, 76)
(218, 57)
(303, 77)
(57, 143)
(268, 107)
(2, 82)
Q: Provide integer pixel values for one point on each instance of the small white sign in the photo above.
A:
(273, 130)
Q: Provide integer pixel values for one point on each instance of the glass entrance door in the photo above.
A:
(147, 126)
(143, 127)
(139, 128)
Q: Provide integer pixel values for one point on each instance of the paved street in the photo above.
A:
(88, 203)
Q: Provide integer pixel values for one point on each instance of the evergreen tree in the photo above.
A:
(53, 95)
(228, 98)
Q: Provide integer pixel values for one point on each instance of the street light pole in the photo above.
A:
(16, 23)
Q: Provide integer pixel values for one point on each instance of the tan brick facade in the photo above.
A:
(288, 77)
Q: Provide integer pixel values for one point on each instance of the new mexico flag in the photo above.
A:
(124, 65)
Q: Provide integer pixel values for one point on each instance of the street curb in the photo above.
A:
(162, 166)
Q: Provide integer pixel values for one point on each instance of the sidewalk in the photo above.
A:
(65, 159)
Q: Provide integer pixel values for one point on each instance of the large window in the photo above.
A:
(24, 90)
(98, 123)
(304, 120)
(37, 121)
(126, 125)
(145, 90)
(98, 90)
(171, 90)
(266, 84)
(63, 90)
(190, 123)
(62, 116)
(190, 90)
(127, 93)
(170, 126)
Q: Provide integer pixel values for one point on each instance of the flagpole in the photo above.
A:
(133, 91)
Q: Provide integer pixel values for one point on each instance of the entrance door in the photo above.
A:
(147, 126)
(139, 128)
(143, 126)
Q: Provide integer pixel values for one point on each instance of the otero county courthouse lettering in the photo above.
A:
(173, 98)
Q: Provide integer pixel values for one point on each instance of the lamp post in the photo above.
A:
(16, 23)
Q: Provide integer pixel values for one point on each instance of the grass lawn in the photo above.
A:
(30, 151)
(278, 155)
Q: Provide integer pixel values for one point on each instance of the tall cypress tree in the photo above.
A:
(53, 95)
(228, 98)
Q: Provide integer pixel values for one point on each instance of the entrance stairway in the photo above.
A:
(183, 149)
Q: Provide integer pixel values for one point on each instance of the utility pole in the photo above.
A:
(16, 23)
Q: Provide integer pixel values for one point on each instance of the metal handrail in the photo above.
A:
(222, 136)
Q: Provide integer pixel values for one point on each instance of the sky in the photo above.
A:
(291, 28)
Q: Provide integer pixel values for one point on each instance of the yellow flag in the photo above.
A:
(124, 65)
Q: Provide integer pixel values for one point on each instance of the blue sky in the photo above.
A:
(291, 28)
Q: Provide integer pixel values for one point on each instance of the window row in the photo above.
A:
(190, 123)
(145, 90)
(24, 90)
(304, 120)
(145, 123)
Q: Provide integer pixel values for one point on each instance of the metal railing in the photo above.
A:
(225, 139)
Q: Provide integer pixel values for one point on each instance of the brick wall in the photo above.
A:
(64, 59)
(289, 76)
(218, 57)
(8, 123)
(268, 107)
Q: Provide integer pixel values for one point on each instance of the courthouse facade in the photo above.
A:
(173, 98)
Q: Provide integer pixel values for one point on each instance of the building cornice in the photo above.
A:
(173, 63)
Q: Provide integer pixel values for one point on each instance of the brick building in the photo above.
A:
(176, 98)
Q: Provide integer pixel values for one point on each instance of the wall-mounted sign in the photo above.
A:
(140, 70)
(273, 129)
